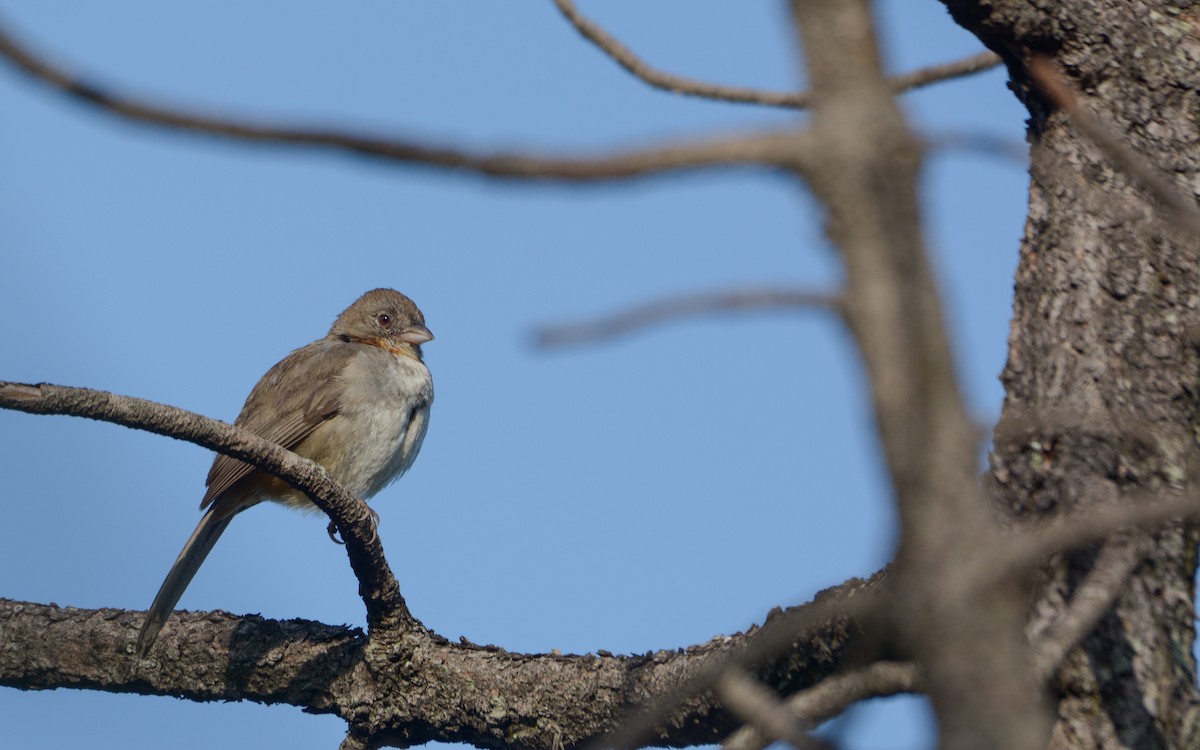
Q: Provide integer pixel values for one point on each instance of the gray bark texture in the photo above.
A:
(1101, 402)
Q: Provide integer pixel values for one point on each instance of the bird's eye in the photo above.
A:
(383, 319)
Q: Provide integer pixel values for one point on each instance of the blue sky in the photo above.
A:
(648, 492)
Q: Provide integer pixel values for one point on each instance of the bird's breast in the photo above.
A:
(383, 412)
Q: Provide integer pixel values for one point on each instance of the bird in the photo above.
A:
(356, 401)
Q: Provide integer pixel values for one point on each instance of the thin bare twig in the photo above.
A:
(661, 311)
(761, 709)
(1010, 149)
(1181, 207)
(1093, 597)
(767, 148)
(640, 69)
(832, 696)
(916, 79)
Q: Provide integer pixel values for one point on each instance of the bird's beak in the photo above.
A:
(415, 335)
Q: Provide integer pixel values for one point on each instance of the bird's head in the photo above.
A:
(384, 318)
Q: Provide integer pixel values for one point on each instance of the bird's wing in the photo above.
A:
(295, 397)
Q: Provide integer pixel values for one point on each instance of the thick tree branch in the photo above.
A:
(419, 687)
(640, 69)
(771, 149)
(377, 586)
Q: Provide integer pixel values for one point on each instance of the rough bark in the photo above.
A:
(1101, 392)
(410, 686)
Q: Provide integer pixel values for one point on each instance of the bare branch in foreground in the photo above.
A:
(640, 69)
(1009, 149)
(851, 605)
(1030, 547)
(377, 586)
(1094, 596)
(760, 708)
(987, 566)
(661, 311)
(866, 173)
(916, 79)
(832, 697)
(1180, 206)
(768, 148)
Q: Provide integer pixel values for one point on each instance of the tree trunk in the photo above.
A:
(1101, 401)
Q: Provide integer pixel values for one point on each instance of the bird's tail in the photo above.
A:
(197, 548)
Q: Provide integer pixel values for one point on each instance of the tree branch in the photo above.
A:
(1009, 149)
(761, 709)
(852, 605)
(640, 69)
(377, 586)
(1027, 548)
(865, 172)
(365, 687)
(768, 148)
(826, 626)
(419, 687)
(831, 697)
(921, 77)
(661, 311)
(1116, 561)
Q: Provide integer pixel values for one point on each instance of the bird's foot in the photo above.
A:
(373, 514)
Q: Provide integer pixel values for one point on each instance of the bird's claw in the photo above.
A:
(372, 514)
(331, 529)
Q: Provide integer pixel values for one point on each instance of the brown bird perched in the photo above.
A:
(356, 402)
